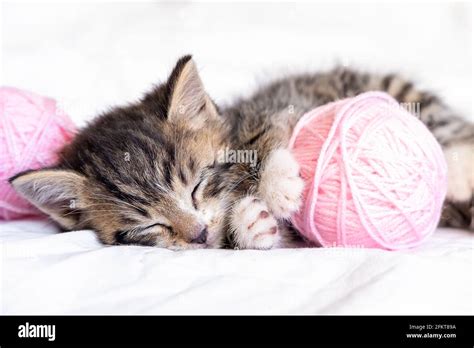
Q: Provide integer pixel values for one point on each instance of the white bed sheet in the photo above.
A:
(44, 272)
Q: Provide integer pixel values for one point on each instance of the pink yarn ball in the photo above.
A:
(32, 130)
(375, 175)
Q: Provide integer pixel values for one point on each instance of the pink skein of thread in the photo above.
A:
(32, 131)
(375, 175)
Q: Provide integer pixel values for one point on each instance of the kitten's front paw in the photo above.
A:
(254, 227)
(281, 186)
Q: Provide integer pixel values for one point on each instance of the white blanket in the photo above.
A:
(44, 272)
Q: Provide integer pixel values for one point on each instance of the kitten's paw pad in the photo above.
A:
(254, 227)
(280, 185)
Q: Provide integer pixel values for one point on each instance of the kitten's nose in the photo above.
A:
(201, 239)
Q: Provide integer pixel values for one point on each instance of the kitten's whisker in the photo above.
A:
(163, 188)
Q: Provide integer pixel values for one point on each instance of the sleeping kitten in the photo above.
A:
(151, 173)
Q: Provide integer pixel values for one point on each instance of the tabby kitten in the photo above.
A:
(151, 173)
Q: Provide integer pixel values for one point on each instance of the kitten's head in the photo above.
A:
(143, 174)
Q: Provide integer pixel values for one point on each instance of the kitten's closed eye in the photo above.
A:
(194, 193)
(165, 226)
(143, 235)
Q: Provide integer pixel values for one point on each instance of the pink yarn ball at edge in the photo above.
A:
(375, 175)
(32, 130)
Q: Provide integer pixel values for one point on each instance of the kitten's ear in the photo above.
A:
(55, 192)
(189, 101)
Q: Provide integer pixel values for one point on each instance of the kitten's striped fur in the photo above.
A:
(148, 173)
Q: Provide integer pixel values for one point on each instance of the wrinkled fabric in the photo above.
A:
(44, 272)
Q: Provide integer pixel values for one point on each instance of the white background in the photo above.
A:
(94, 55)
